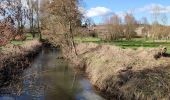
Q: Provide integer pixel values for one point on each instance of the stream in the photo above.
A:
(48, 78)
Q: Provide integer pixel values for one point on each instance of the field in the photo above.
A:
(134, 43)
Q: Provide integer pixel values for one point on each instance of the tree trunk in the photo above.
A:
(72, 39)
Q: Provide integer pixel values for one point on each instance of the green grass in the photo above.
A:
(146, 44)
(29, 36)
(87, 39)
(17, 42)
(134, 43)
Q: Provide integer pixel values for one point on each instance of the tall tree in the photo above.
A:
(65, 16)
(145, 25)
(31, 14)
(16, 13)
(155, 23)
(164, 31)
(114, 27)
(130, 26)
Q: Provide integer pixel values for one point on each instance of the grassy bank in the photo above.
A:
(125, 74)
(29, 38)
(134, 43)
(19, 50)
(17, 47)
(15, 58)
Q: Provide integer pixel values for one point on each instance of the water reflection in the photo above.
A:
(48, 78)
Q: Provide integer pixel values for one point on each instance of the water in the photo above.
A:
(48, 78)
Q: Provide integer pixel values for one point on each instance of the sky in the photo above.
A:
(98, 9)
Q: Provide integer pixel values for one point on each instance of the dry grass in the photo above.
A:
(11, 50)
(125, 73)
(31, 45)
(27, 46)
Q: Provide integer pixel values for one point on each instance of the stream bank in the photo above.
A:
(124, 74)
(17, 57)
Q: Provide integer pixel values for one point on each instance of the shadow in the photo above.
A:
(11, 79)
(11, 74)
(166, 55)
(139, 85)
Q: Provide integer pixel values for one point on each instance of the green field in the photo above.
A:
(134, 43)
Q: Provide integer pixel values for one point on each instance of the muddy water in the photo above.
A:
(48, 78)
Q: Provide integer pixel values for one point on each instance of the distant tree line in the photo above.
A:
(118, 28)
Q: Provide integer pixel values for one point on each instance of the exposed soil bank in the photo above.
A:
(17, 57)
(125, 74)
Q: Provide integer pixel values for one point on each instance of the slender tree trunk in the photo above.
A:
(72, 39)
(32, 23)
(38, 20)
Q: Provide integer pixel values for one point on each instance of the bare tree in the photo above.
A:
(31, 13)
(66, 16)
(8, 20)
(165, 31)
(145, 25)
(113, 26)
(16, 12)
(155, 24)
(130, 26)
(38, 17)
(164, 19)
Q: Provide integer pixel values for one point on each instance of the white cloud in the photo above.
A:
(149, 8)
(98, 11)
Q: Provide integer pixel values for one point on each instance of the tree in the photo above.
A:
(14, 12)
(38, 17)
(113, 26)
(155, 24)
(165, 31)
(33, 15)
(145, 26)
(164, 19)
(130, 26)
(66, 17)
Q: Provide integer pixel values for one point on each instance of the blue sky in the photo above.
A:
(96, 9)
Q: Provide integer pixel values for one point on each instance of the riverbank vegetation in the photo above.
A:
(125, 73)
(124, 58)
